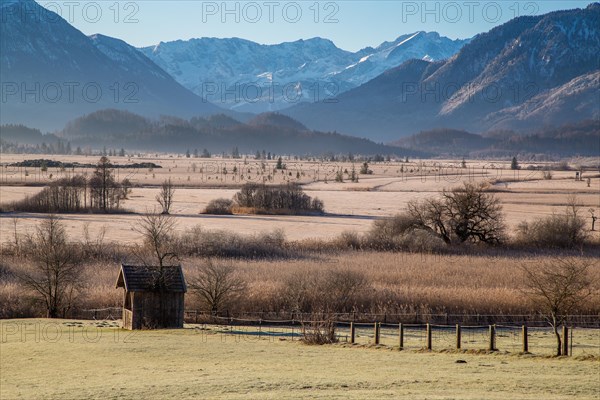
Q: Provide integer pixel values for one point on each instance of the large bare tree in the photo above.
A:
(466, 213)
(557, 288)
(53, 273)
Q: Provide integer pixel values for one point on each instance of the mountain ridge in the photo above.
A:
(525, 59)
(312, 69)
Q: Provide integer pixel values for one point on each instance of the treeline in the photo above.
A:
(45, 163)
(59, 147)
(567, 140)
(100, 192)
(279, 134)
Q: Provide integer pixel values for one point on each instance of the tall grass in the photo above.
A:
(382, 283)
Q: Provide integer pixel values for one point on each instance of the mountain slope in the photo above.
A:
(69, 73)
(491, 82)
(271, 77)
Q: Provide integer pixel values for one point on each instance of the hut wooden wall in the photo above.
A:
(152, 310)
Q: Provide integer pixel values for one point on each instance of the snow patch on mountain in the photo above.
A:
(313, 64)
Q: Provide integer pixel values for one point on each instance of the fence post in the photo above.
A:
(492, 346)
(571, 342)
(352, 332)
(376, 333)
(429, 347)
(525, 339)
(565, 343)
(458, 337)
(401, 332)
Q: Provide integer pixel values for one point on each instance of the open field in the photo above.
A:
(73, 360)
(524, 194)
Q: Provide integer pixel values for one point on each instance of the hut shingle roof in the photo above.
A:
(136, 278)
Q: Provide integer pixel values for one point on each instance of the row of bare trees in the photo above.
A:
(100, 192)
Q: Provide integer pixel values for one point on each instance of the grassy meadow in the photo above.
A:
(78, 359)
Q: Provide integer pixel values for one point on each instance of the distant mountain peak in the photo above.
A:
(310, 66)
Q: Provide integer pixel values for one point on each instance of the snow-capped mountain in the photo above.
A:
(245, 75)
(523, 74)
(429, 46)
(52, 73)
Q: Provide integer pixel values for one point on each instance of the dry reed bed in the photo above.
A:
(394, 283)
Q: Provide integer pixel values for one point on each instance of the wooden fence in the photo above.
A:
(491, 337)
(429, 337)
(535, 337)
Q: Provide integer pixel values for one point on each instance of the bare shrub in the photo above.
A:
(219, 243)
(421, 241)
(402, 232)
(14, 301)
(219, 207)
(384, 233)
(319, 332)
(565, 230)
(349, 240)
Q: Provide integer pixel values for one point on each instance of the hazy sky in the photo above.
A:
(351, 25)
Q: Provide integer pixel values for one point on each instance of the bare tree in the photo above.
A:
(105, 191)
(557, 288)
(157, 231)
(53, 273)
(594, 218)
(165, 197)
(217, 285)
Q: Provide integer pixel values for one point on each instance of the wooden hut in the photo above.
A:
(153, 298)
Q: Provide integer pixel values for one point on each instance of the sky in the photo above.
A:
(351, 25)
